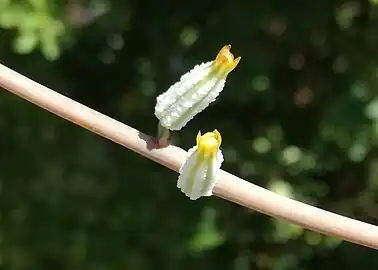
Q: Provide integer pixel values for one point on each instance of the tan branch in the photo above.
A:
(229, 187)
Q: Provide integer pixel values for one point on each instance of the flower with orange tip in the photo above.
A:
(193, 92)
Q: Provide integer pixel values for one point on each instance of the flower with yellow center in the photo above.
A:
(193, 92)
(198, 174)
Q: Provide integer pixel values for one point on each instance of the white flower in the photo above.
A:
(195, 91)
(198, 174)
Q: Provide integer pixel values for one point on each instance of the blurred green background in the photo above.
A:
(299, 116)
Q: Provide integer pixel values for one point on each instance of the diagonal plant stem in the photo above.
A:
(229, 187)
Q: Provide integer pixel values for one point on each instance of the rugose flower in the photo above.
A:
(199, 172)
(193, 93)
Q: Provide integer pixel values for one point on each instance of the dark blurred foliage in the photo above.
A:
(299, 116)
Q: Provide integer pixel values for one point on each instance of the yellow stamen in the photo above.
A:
(226, 59)
(209, 143)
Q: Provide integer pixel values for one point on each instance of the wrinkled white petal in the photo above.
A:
(188, 97)
(194, 91)
(199, 175)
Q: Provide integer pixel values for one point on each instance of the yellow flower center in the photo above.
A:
(209, 143)
(225, 59)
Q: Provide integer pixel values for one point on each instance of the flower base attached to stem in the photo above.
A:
(163, 136)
